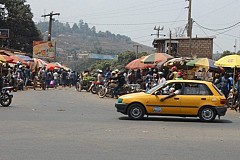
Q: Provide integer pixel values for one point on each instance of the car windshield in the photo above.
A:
(153, 89)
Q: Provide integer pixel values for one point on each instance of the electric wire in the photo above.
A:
(210, 36)
(219, 29)
(128, 9)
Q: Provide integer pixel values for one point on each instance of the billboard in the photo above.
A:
(4, 33)
(43, 49)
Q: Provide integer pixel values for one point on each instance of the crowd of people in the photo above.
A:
(146, 78)
(22, 77)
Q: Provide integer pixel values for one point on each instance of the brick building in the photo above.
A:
(201, 47)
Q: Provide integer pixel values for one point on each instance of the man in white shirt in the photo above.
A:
(55, 77)
(162, 79)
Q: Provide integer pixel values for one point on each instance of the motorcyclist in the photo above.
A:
(99, 76)
(120, 80)
(99, 79)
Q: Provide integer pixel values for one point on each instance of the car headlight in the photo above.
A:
(120, 100)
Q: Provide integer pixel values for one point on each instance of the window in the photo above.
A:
(172, 87)
(196, 89)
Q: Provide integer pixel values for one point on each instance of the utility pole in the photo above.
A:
(136, 45)
(158, 31)
(170, 43)
(50, 15)
(189, 28)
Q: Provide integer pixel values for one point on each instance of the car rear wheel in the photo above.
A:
(207, 114)
(136, 111)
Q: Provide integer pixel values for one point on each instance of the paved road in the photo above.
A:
(64, 124)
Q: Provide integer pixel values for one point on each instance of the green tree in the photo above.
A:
(20, 24)
(75, 28)
(227, 53)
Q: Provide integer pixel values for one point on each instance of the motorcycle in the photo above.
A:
(83, 84)
(10, 82)
(232, 102)
(95, 87)
(108, 89)
(230, 99)
(6, 96)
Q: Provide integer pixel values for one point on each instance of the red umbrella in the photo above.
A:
(52, 66)
(137, 64)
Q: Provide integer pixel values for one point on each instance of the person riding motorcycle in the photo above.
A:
(99, 79)
(99, 76)
(120, 80)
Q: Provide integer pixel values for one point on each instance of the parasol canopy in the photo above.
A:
(25, 58)
(66, 68)
(17, 59)
(52, 66)
(177, 61)
(39, 63)
(229, 61)
(202, 62)
(137, 64)
(156, 58)
(4, 58)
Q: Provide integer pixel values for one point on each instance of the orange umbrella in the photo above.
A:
(137, 64)
(5, 58)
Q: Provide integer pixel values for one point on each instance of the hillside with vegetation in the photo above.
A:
(80, 37)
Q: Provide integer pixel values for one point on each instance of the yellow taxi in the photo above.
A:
(186, 98)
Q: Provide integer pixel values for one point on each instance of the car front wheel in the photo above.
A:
(207, 114)
(136, 111)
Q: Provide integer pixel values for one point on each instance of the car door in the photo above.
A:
(194, 96)
(168, 106)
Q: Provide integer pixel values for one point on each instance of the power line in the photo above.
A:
(133, 24)
(219, 29)
(209, 36)
(140, 7)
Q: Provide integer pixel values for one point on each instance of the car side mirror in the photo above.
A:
(157, 93)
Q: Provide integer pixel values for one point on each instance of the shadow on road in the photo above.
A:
(174, 119)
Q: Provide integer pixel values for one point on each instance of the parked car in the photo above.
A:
(187, 98)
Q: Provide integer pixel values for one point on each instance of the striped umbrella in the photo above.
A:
(26, 58)
(156, 58)
(202, 62)
(4, 58)
(137, 64)
(17, 59)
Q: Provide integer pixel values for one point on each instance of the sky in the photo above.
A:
(137, 18)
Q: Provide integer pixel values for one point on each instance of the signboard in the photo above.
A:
(43, 49)
(102, 56)
(4, 33)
